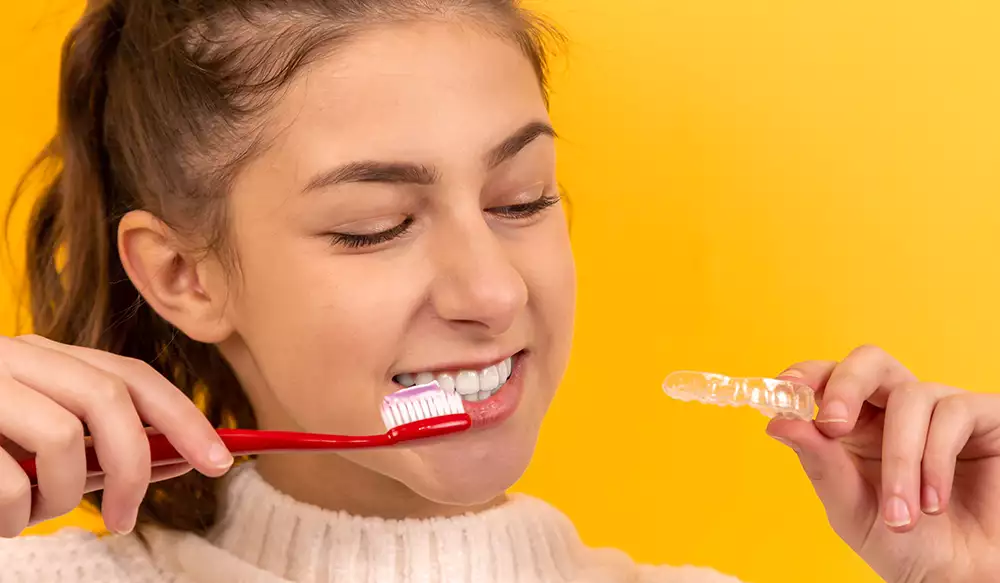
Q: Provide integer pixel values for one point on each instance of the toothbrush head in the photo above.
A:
(420, 403)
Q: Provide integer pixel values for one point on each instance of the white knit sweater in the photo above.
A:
(266, 537)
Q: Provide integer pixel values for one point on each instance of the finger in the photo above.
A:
(39, 425)
(15, 497)
(164, 473)
(812, 373)
(158, 402)
(850, 504)
(955, 420)
(159, 474)
(102, 400)
(904, 435)
(867, 374)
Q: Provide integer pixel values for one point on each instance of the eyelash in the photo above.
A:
(512, 212)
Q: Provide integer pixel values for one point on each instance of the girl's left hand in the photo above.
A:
(908, 471)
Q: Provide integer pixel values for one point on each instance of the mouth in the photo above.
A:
(472, 385)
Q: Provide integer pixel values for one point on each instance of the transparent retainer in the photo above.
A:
(771, 397)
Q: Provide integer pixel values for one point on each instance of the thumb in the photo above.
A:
(851, 506)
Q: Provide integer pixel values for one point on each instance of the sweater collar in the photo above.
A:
(524, 539)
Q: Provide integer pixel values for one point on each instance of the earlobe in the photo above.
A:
(186, 290)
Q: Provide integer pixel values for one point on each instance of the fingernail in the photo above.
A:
(897, 513)
(931, 503)
(792, 373)
(125, 526)
(833, 412)
(220, 456)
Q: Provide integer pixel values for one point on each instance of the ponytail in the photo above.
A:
(80, 293)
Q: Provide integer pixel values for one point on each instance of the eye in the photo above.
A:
(356, 241)
(525, 210)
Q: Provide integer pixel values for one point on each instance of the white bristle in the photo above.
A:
(409, 406)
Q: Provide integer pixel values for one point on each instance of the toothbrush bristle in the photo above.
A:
(418, 403)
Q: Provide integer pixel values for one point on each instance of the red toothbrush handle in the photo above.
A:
(250, 441)
(161, 454)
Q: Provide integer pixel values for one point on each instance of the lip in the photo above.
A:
(450, 367)
(501, 405)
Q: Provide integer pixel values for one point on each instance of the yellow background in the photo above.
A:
(755, 182)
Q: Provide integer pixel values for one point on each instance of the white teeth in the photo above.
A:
(471, 385)
(489, 379)
(447, 382)
(467, 383)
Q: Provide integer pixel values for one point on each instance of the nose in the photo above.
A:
(477, 284)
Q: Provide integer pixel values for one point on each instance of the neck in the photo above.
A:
(334, 483)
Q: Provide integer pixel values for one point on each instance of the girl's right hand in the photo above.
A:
(48, 391)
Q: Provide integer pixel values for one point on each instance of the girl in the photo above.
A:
(284, 210)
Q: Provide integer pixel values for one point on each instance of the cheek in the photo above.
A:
(322, 333)
(550, 273)
(555, 271)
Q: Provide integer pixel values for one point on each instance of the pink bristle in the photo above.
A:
(418, 403)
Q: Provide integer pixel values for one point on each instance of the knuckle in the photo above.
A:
(140, 371)
(869, 351)
(907, 392)
(14, 489)
(137, 366)
(957, 405)
(63, 435)
(107, 389)
(7, 344)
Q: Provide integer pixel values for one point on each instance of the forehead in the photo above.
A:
(419, 89)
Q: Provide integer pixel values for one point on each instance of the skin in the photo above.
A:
(316, 330)
(907, 470)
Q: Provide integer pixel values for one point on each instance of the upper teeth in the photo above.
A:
(472, 385)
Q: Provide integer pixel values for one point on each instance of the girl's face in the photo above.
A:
(403, 224)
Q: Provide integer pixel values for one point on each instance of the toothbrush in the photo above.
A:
(412, 414)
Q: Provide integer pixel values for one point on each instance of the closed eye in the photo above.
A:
(355, 241)
(525, 210)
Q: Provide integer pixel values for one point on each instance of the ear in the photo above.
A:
(187, 290)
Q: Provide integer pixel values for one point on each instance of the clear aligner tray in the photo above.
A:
(771, 397)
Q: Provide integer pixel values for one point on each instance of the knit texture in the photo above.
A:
(266, 537)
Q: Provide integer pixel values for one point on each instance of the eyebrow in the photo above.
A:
(419, 174)
(372, 171)
(518, 141)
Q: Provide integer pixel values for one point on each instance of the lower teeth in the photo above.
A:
(481, 396)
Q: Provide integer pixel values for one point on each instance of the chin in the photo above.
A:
(471, 474)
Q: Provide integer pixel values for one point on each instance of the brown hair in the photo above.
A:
(153, 96)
